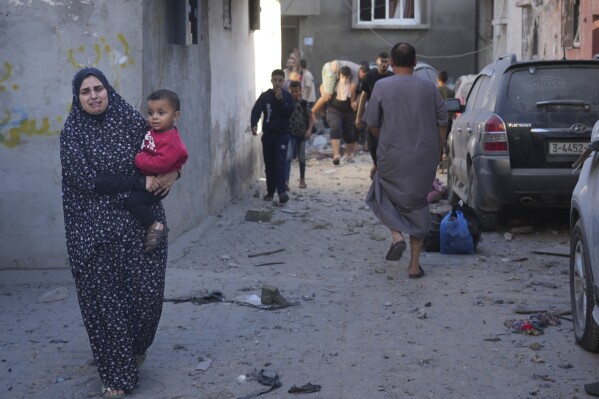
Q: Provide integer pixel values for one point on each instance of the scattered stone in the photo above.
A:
(387, 304)
(421, 314)
(545, 284)
(535, 346)
(271, 295)
(427, 305)
(536, 359)
(204, 363)
(492, 339)
(508, 236)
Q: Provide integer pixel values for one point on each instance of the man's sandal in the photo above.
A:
(154, 238)
(112, 393)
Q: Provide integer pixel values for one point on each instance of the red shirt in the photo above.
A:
(161, 153)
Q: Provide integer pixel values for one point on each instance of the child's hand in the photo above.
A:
(152, 183)
(308, 134)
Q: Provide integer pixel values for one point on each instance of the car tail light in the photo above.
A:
(494, 137)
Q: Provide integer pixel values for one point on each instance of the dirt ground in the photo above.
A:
(359, 327)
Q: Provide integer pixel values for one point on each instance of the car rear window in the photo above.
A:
(572, 91)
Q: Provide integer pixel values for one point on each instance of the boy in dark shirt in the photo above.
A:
(275, 107)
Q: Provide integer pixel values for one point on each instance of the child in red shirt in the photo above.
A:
(162, 151)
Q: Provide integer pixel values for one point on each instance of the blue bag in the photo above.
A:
(455, 236)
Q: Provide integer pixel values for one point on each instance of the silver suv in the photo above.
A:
(522, 127)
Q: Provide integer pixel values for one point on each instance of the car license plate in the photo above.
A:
(561, 148)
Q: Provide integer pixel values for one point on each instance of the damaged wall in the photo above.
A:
(218, 78)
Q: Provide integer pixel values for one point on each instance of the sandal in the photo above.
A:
(154, 238)
(112, 393)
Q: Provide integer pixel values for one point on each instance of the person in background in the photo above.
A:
(340, 115)
(381, 71)
(408, 116)
(308, 88)
(300, 128)
(120, 287)
(275, 107)
(162, 151)
(338, 93)
(446, 93)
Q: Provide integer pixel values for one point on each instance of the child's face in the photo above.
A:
(161, 115)
(296, 93)
(277, 81)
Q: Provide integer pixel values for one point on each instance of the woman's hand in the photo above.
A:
(166, 182)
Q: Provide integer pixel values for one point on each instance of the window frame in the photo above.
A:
(422, 11)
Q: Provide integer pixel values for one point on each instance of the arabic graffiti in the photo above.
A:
(14, 123)
(118, 56)
(5, 76)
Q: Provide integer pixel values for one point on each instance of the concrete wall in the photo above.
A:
(44, 43)
(451, 33)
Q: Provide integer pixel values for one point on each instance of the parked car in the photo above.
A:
(462, 87)
(522, 127)
(584, 252)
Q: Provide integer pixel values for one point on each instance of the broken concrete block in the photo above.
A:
(258, 215)
(271, 295)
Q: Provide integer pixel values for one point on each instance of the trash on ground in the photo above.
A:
(269, 263)
(306, 388)
(274, 251)
(546, 284)
(521, 230)
(534, 325)
(557, 250)
(508, 236)
(214, 296)
(264, 377)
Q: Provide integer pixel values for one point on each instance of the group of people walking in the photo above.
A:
(117, 165)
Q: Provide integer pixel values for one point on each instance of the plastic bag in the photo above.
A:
(432, 240)
(455, 236)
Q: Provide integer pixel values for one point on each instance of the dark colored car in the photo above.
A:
(584, 252)
(522, 127)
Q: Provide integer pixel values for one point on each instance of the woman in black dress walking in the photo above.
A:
(120, 287)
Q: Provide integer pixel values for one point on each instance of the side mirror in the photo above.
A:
(595, 137)
(454, 105)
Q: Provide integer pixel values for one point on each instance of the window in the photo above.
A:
(185, 21)
(227, 17)
(389, 13)
(571, 25)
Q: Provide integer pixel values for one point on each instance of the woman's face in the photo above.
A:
(93, 96)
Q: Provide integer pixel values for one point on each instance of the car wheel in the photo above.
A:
(488, 220)
(452, 197)
(586, 331)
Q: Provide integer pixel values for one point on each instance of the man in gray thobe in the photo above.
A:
(409, 117)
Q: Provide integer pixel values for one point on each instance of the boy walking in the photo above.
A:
(300, 127)
(162, 151)
(275, 107)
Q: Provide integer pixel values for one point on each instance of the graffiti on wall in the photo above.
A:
(15, 122)
(118, 56)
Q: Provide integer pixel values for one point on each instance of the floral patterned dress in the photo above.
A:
(120, 288)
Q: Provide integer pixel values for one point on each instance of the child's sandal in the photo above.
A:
(154, 238)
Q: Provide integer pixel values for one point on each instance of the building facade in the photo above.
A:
(212, 53)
